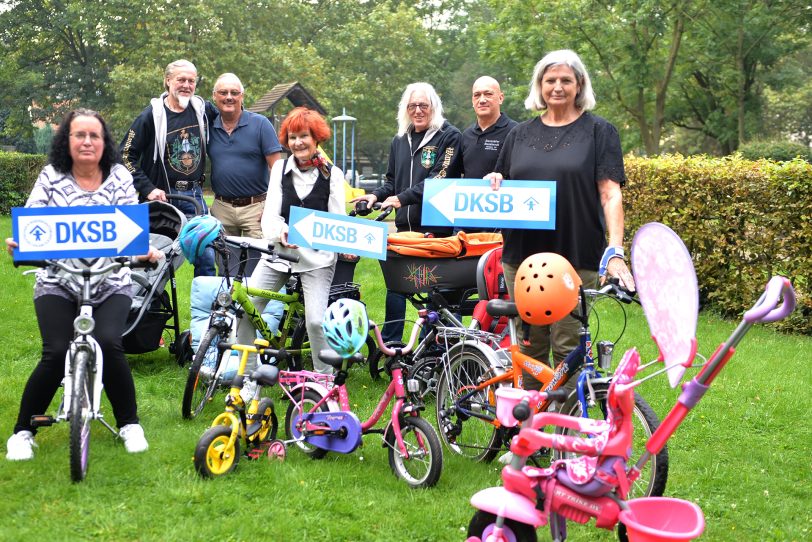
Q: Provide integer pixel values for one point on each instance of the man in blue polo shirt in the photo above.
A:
(242, 149)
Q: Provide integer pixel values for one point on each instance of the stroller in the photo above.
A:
(153, 305)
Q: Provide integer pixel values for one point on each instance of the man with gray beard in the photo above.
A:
(165, 148)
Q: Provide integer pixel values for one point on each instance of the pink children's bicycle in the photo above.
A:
(592, 483)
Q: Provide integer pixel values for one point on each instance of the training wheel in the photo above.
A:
(276, 450)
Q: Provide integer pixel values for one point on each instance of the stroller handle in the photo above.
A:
(189, 199)
(779, 289)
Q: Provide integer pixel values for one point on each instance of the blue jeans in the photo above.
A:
(395, 310)
(204, 265)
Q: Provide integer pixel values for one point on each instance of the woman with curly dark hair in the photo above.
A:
(84, 169)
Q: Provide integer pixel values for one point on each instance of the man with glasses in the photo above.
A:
(165, 147)
(427, 146)
(243, 148)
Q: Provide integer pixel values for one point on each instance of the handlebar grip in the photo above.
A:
(293, 258)
(779, 289)
(522, 411)
(31, 263)
(142, 264)
(557, 395)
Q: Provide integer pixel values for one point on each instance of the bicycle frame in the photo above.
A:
(396, 390)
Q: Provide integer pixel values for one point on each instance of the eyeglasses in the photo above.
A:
(411, 108)
(225, 93)
(81, 136)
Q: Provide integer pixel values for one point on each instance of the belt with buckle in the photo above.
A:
(185, 185)
(242, 202)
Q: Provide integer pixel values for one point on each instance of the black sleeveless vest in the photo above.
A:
(317, 199)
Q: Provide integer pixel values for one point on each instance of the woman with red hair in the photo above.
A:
(305, 179)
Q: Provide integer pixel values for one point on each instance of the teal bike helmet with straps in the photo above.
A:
(197, 234)
(346, 326)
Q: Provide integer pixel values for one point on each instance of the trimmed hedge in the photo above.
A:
(742, 221)
(17, 175)
(780, 150)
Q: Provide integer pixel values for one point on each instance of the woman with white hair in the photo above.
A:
(581, 152)
(426, 146)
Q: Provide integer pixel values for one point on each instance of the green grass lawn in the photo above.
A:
(743, 455)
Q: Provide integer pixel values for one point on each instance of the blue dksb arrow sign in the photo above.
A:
(337, 233)
(471, 202)
(80, 232)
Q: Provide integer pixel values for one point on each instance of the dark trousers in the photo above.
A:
(55, 316)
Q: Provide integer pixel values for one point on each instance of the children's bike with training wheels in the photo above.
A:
(594, 483)
(84, 366)
(247, 421)
(318, 422)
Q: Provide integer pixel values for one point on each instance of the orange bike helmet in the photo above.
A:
(546, 288)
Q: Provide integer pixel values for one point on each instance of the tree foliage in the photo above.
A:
(726, 70)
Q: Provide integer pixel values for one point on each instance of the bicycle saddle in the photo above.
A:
(334, 359)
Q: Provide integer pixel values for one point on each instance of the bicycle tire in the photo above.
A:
(212, 455)
(654, 476)
(268, 424)
(200, 388)
(482, 523)
(463, 434)
(81, 407)
(422, 442)
(303, 403)
(377, 361)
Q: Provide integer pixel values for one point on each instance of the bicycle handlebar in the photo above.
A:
(189, 199)
(260, 245)
(390, 352)
(361, 209)
(779, 289)
(614, 288)
(116, 264)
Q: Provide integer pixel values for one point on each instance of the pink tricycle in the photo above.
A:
(593, 479)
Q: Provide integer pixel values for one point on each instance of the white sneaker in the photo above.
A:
(21, 446)
(133, 437)
(506, 458)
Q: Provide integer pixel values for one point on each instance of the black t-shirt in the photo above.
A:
(576, 156)
(184, 157)
(480, 149)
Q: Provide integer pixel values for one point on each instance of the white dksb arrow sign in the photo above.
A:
(337, 233)
(80, 232)
(472, 202)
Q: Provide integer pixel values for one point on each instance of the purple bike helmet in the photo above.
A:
(197, 234)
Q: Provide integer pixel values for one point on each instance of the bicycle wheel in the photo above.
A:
(425, 462)
(268, 424)
(303, 404)
(300, 341)
(483, 523)
(201, 384)
(655, 474)
(81, 407)
(213, 456)
(377, 361)
(458, 399)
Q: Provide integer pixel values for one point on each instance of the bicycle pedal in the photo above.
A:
(255, 453)
(42, 421)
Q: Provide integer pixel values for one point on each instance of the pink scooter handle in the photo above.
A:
(765, 310)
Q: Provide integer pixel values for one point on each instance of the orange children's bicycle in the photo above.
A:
(473, 370)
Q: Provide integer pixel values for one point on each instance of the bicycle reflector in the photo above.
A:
(84, 324)
(546, 288)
